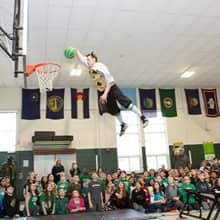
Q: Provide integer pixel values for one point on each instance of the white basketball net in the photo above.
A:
(46, 74)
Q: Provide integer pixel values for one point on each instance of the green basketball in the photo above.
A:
(70, 52)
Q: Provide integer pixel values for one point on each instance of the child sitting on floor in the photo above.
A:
(76, 203)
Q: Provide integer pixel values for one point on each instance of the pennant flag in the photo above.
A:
(80, 103)
(168, 102)
(148, 102)
(210, 102)
(30, 104)
(193, 102)
(55, 104)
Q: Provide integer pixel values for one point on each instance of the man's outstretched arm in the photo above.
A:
(81, 57)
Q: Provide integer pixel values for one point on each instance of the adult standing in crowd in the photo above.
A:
(9, 169)
(181, 160)
(74, 170)
(57, 169)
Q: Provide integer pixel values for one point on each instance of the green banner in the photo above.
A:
(168, 102)
(208, 148)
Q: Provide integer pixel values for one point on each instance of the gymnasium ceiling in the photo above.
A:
(145, 43)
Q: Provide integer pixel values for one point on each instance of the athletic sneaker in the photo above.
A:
(124, 126)
(145, 121)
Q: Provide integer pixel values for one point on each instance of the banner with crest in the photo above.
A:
(148, 102)
(55, 104)
(193, 102)
(210, 102)
(168, 102)
(30, 108)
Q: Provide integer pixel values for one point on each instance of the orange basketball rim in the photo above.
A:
(46, 72)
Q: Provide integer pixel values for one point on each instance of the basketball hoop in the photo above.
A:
(46, 73)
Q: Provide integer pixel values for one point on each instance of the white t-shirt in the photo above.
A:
(100, 67)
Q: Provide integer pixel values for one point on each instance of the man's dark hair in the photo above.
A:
(93, 55)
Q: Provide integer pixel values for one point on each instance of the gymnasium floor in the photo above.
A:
(113, 215)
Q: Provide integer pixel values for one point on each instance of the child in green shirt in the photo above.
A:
(31, 207)
(123, 179)
(63, 183)
(187, 185)
(47, 201)
(61, 204)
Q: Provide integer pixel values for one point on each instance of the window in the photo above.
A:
(156, 143)
(128, 146)
(8, 131)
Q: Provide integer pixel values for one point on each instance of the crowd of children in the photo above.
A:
(150, 191)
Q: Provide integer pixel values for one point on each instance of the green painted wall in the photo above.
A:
(217, 150)
(22, 171)
(107, 159)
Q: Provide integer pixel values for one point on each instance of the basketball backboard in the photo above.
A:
(14, 33)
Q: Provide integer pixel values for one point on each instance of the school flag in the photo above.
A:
(80, 103)
(30, 109)
(148, 102)
(210, 102)
(193, 102)
(55, 104)
(168, 102)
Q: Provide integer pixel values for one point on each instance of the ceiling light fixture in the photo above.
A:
(187, 74)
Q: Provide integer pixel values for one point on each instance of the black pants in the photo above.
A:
(115, 95)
